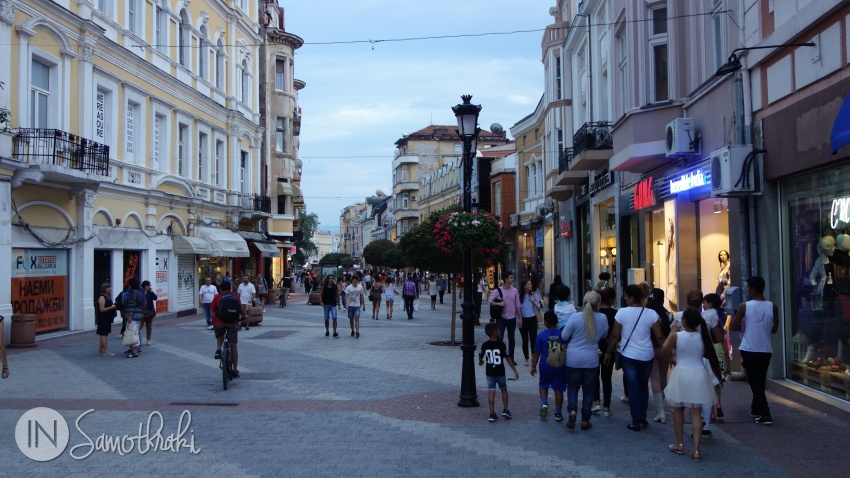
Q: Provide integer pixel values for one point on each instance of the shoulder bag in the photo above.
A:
(618, 357)
(496, 312)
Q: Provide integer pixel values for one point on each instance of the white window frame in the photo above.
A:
(135, 17)
(160, 158)
(559, 92)
(220, 153)
(657, 40)
(245, 83)
(622, 84)
(132, 137)
(203, 155)
(244, 164)
(183, 143)
(497, 198)
(203, 54)
(717, 41)
(280, 134)
(38, 92)
(109, 89)
(280, 75)
(184, 40)
(160, 29)
(405, 200)
(560, 141)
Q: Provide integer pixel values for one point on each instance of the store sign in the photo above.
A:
(161, 285)
(602, 181)
(691, 180)
(40, 286)
(840, 214)
(644, 196)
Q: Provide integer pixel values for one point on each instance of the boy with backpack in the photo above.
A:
(496, 354)
(550, 376)
(227, 310)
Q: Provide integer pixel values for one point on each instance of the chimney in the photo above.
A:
(280, 19)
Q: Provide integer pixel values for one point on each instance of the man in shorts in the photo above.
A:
(246, 292)
(221, 327)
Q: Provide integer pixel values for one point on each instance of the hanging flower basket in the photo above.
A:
(458, 231)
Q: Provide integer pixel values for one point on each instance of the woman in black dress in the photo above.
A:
(106, 312)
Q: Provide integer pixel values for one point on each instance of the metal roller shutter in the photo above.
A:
(186, 283)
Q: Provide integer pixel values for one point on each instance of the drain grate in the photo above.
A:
(204, 404)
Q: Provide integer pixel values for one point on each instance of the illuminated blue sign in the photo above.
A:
(691, 180)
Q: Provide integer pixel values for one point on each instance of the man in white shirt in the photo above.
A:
(205, 296)
(246, 292)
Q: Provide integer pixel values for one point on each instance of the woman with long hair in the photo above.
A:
(529, 303)
(375, 295)
(690, 382)
(106, 312)
(635, 324)
(661, 362)
(389, 293)
(582, 334)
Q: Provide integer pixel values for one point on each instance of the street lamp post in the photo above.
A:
(467, 128)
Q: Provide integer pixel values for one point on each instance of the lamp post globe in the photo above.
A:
(467, 129)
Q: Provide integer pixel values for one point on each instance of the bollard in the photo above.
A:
(22, 335)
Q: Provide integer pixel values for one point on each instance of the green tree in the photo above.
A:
(308, 224)
(347, 262)
(376, 253)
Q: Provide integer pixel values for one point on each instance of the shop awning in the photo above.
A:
(284, 189)
(268, 250)
(190, 245)
(224, 243)
(841, 128)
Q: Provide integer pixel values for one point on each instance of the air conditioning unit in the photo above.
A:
(514, 220)
(681, 137)
(541, 210)
(550, 203)
(734, 171)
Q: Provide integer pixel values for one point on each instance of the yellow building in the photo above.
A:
(346, 217)
(133, 150)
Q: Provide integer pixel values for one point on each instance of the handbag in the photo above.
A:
(618, 357)
(496, 312)
(416, 306)
(131, 337)
(557, 355)
(538, 313)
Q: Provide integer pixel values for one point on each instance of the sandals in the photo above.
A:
(133, 355)
(677, 449)
(696, 455)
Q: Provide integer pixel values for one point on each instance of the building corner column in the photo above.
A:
(6, 254)
(82, 276)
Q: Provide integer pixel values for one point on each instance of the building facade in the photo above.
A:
(133, 150)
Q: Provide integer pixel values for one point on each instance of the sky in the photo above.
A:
(362, 97)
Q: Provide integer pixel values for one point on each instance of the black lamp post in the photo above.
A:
(467, 128)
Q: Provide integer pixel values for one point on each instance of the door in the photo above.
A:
(186, 291)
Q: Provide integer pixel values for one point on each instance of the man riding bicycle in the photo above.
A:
(222, 326)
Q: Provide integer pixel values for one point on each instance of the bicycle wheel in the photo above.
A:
(225, 365)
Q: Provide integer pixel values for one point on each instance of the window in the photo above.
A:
(404, 175)
(183, 40)
(133, 15)
(39, 94)
(604, 94)
(531, 180)
(560, 142)
(243, 171)
(405, 201)
(659, 77)
(497, 198)
(622, 73)
(715, 43)
(219, 65)
(130, 133)
(182, 131)
(280, 75)
(558, 91)
(202, 155)
(281, 203)
(160, 31)
(246, 83)
(158, 139)
(218, 180)
(203, 53)
(280, 135)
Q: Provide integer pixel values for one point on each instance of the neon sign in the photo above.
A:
(644, 196)
(840, 213)
(686, 182)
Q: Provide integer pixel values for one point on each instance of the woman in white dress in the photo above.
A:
(690, 383)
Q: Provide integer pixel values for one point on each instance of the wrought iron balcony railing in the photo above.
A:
(257, 203)
(565, 159)
(60, 148)
(593, 135)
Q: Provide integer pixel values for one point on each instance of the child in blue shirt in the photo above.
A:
(563, 308)
(550, 377)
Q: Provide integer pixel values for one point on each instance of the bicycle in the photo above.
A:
(226, 361)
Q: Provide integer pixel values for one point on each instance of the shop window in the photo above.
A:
(816, 243)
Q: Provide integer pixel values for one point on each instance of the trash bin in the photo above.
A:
(22, 335)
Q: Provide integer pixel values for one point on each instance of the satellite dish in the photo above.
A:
(380, 193)
(497, 128)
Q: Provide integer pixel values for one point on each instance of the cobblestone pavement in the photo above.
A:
(381, 405)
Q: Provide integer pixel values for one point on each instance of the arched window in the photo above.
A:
(219, 65)
(183, 39)
(203, 55)
(246, 83)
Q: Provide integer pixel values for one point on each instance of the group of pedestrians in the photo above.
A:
(579, 349)
(248, 292)
(351, 296)
(137, 308)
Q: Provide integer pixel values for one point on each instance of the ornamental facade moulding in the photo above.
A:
(7, 12)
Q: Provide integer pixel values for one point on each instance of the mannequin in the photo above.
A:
(724, 277)
(821, 276)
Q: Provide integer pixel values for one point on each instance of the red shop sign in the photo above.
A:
(644, 196)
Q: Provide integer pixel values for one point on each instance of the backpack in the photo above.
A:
(557, 354)
(229, 308)
(496, 312)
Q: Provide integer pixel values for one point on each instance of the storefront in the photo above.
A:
(40, 287)
(603, 204)
(680, 233)
(815, 211)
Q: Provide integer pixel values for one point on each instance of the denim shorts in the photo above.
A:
(492, 381)
(330, 312)
(354, 312)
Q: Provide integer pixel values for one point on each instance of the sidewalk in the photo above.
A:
(381, 405)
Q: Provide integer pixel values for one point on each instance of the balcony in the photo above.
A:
(406, 158)
(567, 176)
(593, 146)
(403, 186)
(61, 155)
(405, 213)
(255, 205)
